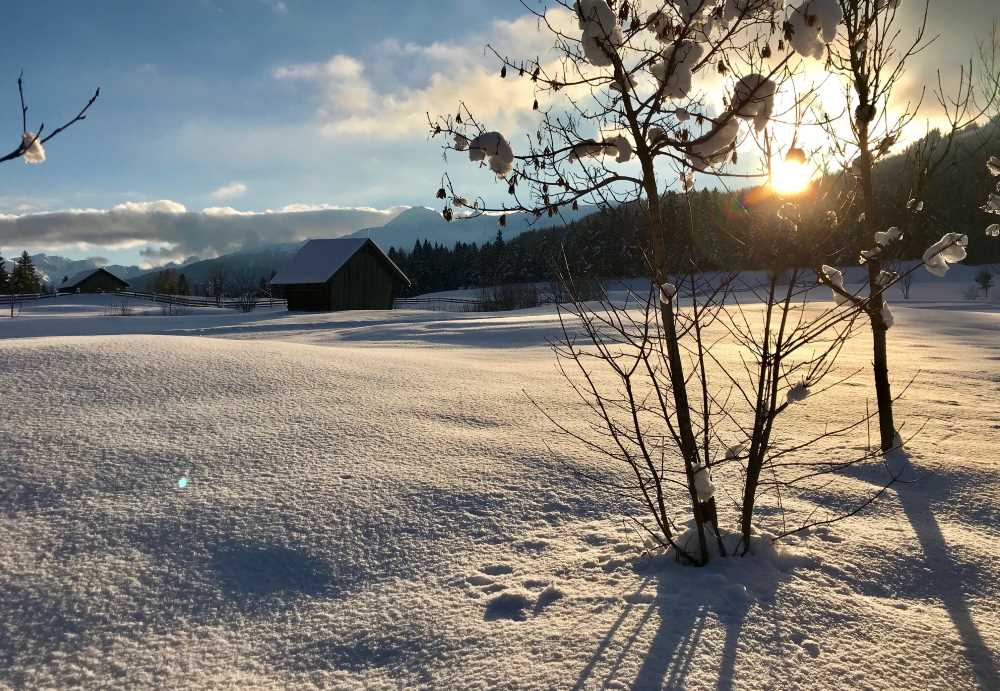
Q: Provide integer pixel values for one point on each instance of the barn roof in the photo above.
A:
(81, 276)
(319, 260)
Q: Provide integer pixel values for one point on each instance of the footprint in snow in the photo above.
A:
(508, 605)
(497, 569)
(811, 647)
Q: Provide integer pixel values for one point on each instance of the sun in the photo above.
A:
(790, 177)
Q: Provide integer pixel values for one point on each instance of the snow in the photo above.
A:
(80, 276)
(494, 149)
(993, 166)
(667, 293)
(703, 482)
(747, 9)
(601, 32)
(34, 152)
(814, 24)
(886, 237)
(754, 95)
(621, 148)
(887, 315)
(372, 502)
(676, 78)
(949, 250)
(318, 260)
(992, 205)
(586, 149)
(715, 148)
(618, 146)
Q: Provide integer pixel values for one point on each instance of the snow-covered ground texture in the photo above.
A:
(370, 501)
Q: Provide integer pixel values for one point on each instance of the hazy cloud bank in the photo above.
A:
(180, 233)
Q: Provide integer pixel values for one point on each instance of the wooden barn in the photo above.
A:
(340, 274)
(92, 281)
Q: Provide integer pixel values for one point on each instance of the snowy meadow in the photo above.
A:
(770, 462)
(370, 500)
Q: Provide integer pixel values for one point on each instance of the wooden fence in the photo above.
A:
(438, 304)
(179, 300)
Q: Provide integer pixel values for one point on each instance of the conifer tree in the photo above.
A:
(25, 278)
(4, 277)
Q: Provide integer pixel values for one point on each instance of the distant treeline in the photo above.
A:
(220, 282)
(747, 229)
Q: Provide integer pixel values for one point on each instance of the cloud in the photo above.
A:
(388, 93)
(177, 232)
(277, 6)
(230, 191)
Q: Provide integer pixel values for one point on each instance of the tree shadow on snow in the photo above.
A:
(683, 609)
(942, 568)
(486, 330)
(251, 573)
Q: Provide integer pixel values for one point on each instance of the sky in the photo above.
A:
(268, 108)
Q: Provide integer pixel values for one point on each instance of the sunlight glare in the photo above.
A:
(789, 177)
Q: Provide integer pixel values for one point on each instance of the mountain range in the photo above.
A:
(417, 223)
(54, 268)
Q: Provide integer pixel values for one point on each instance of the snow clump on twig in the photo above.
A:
(949, 250)
(754, 99)
(679, 61)
(883, 238)
(703, 482)
(619, 147)
(33, 150)
(812, 25)
(601, 33)
(835, 278)
(715, 149)
(492, 147)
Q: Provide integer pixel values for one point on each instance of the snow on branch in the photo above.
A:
(30, 146)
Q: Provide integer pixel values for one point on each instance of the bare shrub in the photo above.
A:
(514, 296)
(971, 293)
(247, 302)
(120, 309)
(984, 281)
(905, 285)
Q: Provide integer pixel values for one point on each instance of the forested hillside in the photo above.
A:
(734, 228)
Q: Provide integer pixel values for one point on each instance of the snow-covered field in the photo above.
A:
(371, 501)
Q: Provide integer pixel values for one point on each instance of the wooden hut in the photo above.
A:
(92, 281)
(340, 274)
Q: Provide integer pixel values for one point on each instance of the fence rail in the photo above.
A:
(179, 300)
(438, 304)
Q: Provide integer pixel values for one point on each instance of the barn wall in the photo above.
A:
(100, 283)
(364, 282)
(308, 297)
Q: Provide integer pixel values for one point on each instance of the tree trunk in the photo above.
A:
(689, 447)
(678, 384)
(749, 499)
(883, 390)
(880, 363)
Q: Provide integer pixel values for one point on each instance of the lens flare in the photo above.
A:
(182, 483)
(789, 177)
